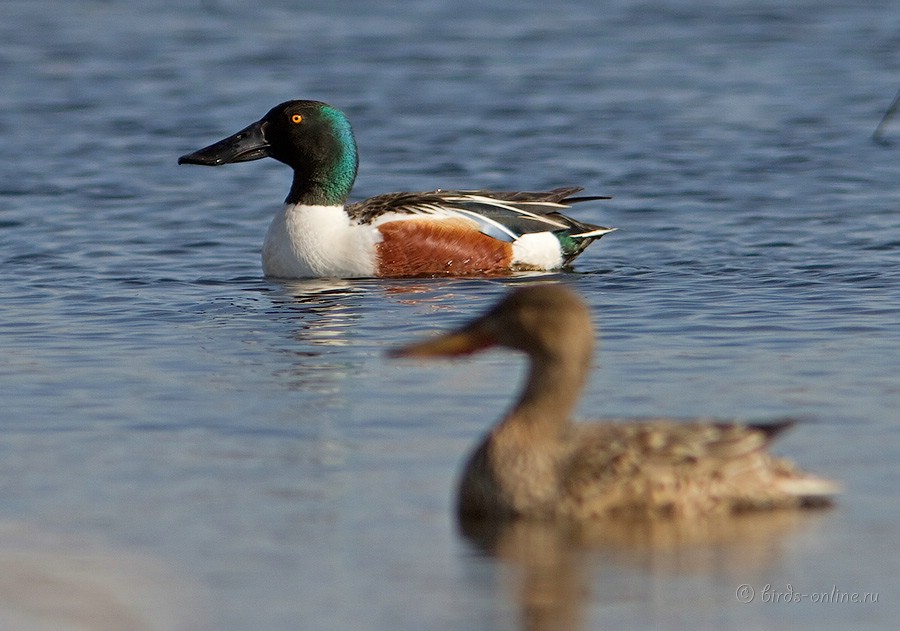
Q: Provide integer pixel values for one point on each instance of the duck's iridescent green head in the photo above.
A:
(313, 138)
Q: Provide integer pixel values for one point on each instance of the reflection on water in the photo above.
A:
(322, 309)
(326, 318)
(551, 563)
(321, 314)
(338, 313)
(548, 580)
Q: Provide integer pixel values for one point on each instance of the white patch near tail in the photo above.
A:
(809, 487)
(599, 232)
(537, 250)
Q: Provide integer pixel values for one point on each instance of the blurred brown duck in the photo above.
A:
(535, 462)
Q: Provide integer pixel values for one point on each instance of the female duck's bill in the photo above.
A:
(535, 462)
(440, 232)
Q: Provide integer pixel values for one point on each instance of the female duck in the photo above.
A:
(535, 462)
(316, 234)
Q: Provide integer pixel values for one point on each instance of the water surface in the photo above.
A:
(245, 443)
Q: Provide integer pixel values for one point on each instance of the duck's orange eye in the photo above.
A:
(296, 118)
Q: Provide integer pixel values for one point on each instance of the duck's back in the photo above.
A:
(661, 468)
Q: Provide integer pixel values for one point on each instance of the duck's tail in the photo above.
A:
(809, 490)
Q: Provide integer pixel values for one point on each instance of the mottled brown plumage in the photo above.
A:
(536, 462)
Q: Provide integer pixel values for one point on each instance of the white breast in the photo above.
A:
(318, 241)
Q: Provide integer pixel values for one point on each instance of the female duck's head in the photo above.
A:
(546, 321)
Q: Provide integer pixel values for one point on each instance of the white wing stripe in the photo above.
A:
(488, 225)
(513, 208)
(481, 219)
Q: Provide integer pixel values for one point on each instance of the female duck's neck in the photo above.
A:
(550, 393)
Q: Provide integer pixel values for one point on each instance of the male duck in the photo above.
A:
(535, 462)
(316, 234)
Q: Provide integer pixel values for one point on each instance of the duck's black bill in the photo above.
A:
(248, 144)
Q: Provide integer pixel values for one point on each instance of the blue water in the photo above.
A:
(204, 446)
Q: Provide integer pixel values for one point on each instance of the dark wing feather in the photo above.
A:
(502, 214)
